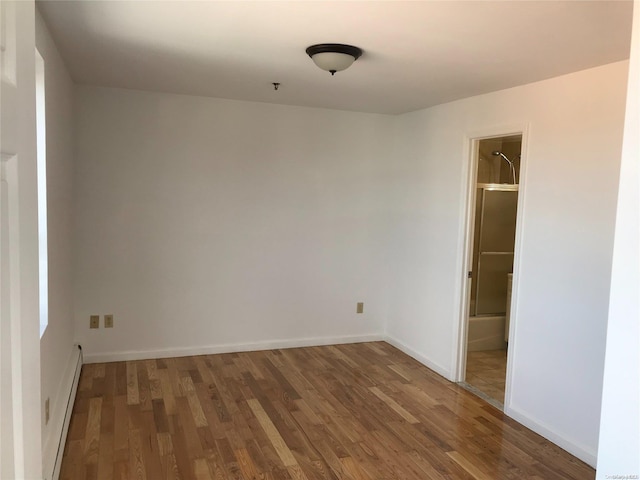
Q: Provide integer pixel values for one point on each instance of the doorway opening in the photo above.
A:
(493, 231)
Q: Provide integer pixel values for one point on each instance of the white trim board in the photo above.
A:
(439, 369)
(229, 348)
(576, 449)
(65, 399)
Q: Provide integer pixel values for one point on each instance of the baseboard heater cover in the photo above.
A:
(67, 415)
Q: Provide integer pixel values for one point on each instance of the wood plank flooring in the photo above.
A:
(354, 412)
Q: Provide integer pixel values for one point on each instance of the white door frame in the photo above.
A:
(472, 140)
(19, 313)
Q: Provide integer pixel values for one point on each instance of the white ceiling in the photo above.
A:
(417, 53)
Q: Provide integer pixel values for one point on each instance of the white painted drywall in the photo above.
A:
(206, 224)
(561, 290)
(619, 447)
(56, 345)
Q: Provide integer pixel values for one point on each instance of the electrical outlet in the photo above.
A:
(46, 411)
(360, 307)
(108, 321)
(94, 321)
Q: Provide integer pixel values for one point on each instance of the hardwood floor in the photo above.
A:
(359, 411)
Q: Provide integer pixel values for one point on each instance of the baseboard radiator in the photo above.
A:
(67, 415)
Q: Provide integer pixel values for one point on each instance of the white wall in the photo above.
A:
(619, 447)
(207, 224)
(56, 346)
(567, 210)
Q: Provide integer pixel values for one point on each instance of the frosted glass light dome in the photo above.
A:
(333, 62)
(333, 57)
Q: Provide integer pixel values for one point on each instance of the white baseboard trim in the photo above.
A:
(228, 348)
(583, 452)
(439, 369)
(61, 415)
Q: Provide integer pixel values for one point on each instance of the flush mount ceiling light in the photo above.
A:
(333, 57)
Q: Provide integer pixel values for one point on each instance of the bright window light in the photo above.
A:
(43, 269)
